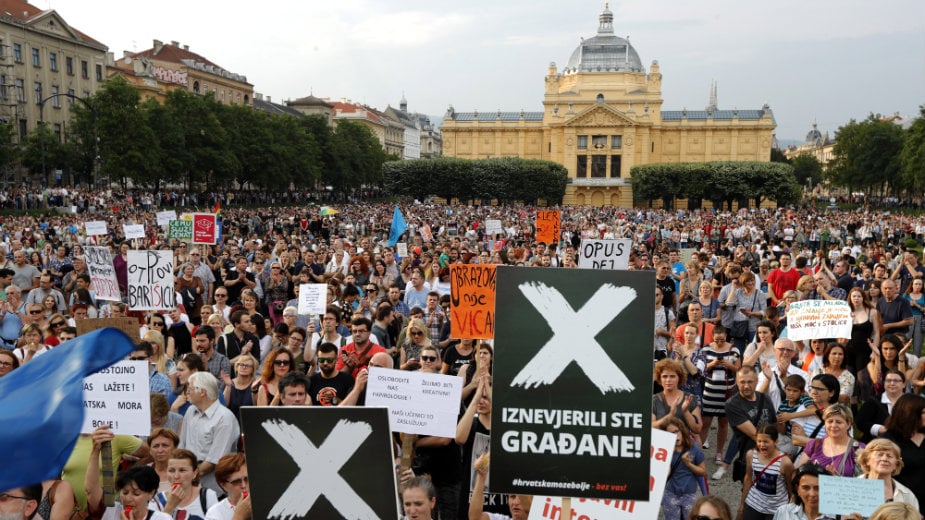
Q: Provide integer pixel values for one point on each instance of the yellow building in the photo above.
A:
(602, 115)
(166, 67)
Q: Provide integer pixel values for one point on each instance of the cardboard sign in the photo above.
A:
(845, 495)
(312, 298)
(572, 379)
(133, 230)
(426, 234)
(810, 319)
(164, 217)
(297, 455)
(126, 324)
(150, 280)
(493, 226)
(419, 403)
(402, 249)
(120, 397)
(180, 229)
(605, 254)
(204, 229)
(95, 227)
(550, 508)
(472, 301)
(102, 273)
(548, 226)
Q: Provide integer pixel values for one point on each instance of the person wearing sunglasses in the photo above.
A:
(279, 362)
(231, 475)
(430, 360)
(328, 387)
(56, 324)
(710, 508)
(416, 340)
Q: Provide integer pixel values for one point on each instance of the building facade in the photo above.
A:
(389, 131)
(411, 138)
(43, 60)
(602, 114)
(166, 67)
(313, 106)
(817, 144)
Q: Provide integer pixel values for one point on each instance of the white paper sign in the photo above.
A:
(313, 298)
(133, 230)
(120, 397)
(95, 227)
(402, 249)
(550, 508)
(418, 402)
(164, 217)
(493, 226)
(150, 280)
(605, 254)
(810, 319)
(845, 495)
(102, 273)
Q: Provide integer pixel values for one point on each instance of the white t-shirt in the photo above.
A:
(221, 511)
(115, 513)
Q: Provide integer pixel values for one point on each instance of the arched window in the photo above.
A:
(196, 87)
(600, 98)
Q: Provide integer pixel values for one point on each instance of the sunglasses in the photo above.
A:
(326, 359)
(282, 362)
(138, 358)
(35, 312)
(705, 517)
(429, 359)
(416, 333)
(58, 324)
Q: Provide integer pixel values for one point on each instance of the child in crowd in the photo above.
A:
(688, 463)
(767, 472)
(794, 407)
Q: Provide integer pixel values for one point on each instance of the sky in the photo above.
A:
(824, 61)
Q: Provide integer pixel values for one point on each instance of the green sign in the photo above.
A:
(572, 382)
(180, 229)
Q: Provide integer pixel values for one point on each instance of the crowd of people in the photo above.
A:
(785, 411)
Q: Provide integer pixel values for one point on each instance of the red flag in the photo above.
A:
(218, 207)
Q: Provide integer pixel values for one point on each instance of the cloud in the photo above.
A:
(406, 29)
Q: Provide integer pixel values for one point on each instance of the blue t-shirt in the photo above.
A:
(682, 480)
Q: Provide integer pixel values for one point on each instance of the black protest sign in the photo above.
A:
(572, 383)
(320, 462)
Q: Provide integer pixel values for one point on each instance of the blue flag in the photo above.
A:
(398, 227)
(43, 409)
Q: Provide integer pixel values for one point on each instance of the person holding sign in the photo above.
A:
(881, 460)
(519, 505)
(805, 495)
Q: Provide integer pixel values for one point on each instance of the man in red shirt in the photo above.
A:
(355, 356)
(782, 279)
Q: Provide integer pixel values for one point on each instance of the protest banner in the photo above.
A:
(102, 273)
(845, 495)
(572, 379)
(810, 319)
(180, 230)
(204, 231)
(550, 508)
(605, 253)
(120, 397)
(402, 249)
(312, 298)
(472, 301)
(95, 227)
(493, 226)
(426, 234)
(150, 280)
(126, 324)
(548, 226)
(418, 403)
(296, 455)
(164, 217)
(133, 230)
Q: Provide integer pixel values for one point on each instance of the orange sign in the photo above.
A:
(548, 226)
(472, 301)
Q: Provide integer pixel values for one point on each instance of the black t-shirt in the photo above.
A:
(477, 444)
(329, 392)
(759, 412)
(455, 360)
(667, 287)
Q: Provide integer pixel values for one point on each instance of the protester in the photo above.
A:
(804, 493)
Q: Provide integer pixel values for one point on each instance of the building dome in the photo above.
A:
(604, 52)
(814, 137)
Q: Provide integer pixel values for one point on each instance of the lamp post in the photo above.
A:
(96, 137)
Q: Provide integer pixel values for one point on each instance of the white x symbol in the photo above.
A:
(319, 469)
(573, 337)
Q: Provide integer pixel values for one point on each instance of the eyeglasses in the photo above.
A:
(705, 517)
(282, 362)
(157, 323)
(238, 481)
(58, 324)
(6, 496)
(429, 359)
(34, 311)
(138, 358)
(326, 359)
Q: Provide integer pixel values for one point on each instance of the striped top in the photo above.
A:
(769, 492)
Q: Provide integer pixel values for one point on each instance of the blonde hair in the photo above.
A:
(417, 323)
(895, 511)
(880, 445)
(157, 339)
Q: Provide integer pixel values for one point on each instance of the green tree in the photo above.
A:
(913, 154)
(206, 157)
(866, 156)
(807, 170)
(43, 153)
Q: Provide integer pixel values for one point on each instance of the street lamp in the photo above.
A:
(96, 138)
